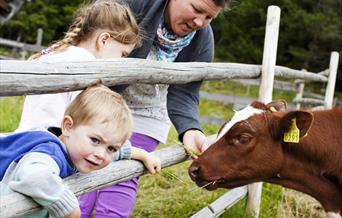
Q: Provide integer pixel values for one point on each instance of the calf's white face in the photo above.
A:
(243, 114)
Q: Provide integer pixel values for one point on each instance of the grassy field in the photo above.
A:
(172, 193)
(10, 112)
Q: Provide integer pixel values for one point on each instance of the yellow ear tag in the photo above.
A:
(293, 134)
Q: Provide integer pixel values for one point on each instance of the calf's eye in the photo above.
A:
(240, 139)
(244, 139)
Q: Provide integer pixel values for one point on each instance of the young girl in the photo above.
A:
(99, 30)
(92, 134)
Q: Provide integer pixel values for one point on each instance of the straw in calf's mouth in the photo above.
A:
(168, 174)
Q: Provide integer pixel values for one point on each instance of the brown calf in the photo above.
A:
(251, 148)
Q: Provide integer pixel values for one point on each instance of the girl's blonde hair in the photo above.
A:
(112, 16)
(99, 103)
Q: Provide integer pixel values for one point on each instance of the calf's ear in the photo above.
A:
(303, 121)
(277, 105)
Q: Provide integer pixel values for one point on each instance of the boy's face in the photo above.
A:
(91, 147)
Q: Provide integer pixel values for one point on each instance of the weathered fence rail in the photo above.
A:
(21, 45)
(25, 48)
(223, 203)
(8, 8)
(28, 77)
(283, 85)
(326, 101)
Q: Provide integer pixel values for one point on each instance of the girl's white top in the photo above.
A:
(48, 109)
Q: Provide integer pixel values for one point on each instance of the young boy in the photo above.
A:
(92, 134)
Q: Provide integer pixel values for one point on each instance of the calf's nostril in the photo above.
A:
(194, 171)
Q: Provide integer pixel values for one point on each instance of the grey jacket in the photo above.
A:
(182, 100)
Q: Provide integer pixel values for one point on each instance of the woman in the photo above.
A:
(176, 31)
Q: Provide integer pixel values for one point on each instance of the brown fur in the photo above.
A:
(253, 150)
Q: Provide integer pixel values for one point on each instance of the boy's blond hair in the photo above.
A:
(111, 16)
(99, 103)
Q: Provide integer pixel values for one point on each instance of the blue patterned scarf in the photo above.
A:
(169, 44)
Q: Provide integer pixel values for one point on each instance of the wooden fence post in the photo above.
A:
(265, 91)
(39, 39)
(300, 91)
(329, 92)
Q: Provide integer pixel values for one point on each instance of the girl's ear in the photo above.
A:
(67, 125)
(102, 40)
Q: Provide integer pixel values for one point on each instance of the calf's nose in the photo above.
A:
(193, 171)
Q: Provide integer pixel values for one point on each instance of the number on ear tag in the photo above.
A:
(293, 134)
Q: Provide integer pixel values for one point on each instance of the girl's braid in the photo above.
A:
(71, 37)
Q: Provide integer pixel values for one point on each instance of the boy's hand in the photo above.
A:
(152, 163)
(74, 214)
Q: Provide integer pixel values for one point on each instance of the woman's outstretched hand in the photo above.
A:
(195, 140)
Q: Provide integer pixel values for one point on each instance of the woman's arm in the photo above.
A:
(183, 99)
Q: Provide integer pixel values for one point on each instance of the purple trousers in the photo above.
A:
(117, 200)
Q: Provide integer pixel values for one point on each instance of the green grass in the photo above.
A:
(338, 95)
(10, 112)
(5, 51)
(234, 88)
(270, 200)
(165, 196)
(230, 88)
(281, 94)
(215, 109)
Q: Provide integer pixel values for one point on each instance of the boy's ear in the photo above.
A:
(67, 125)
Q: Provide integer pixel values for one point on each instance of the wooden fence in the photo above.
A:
(22, 77)
(326, 101)
(8, 8)
(25, 48)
